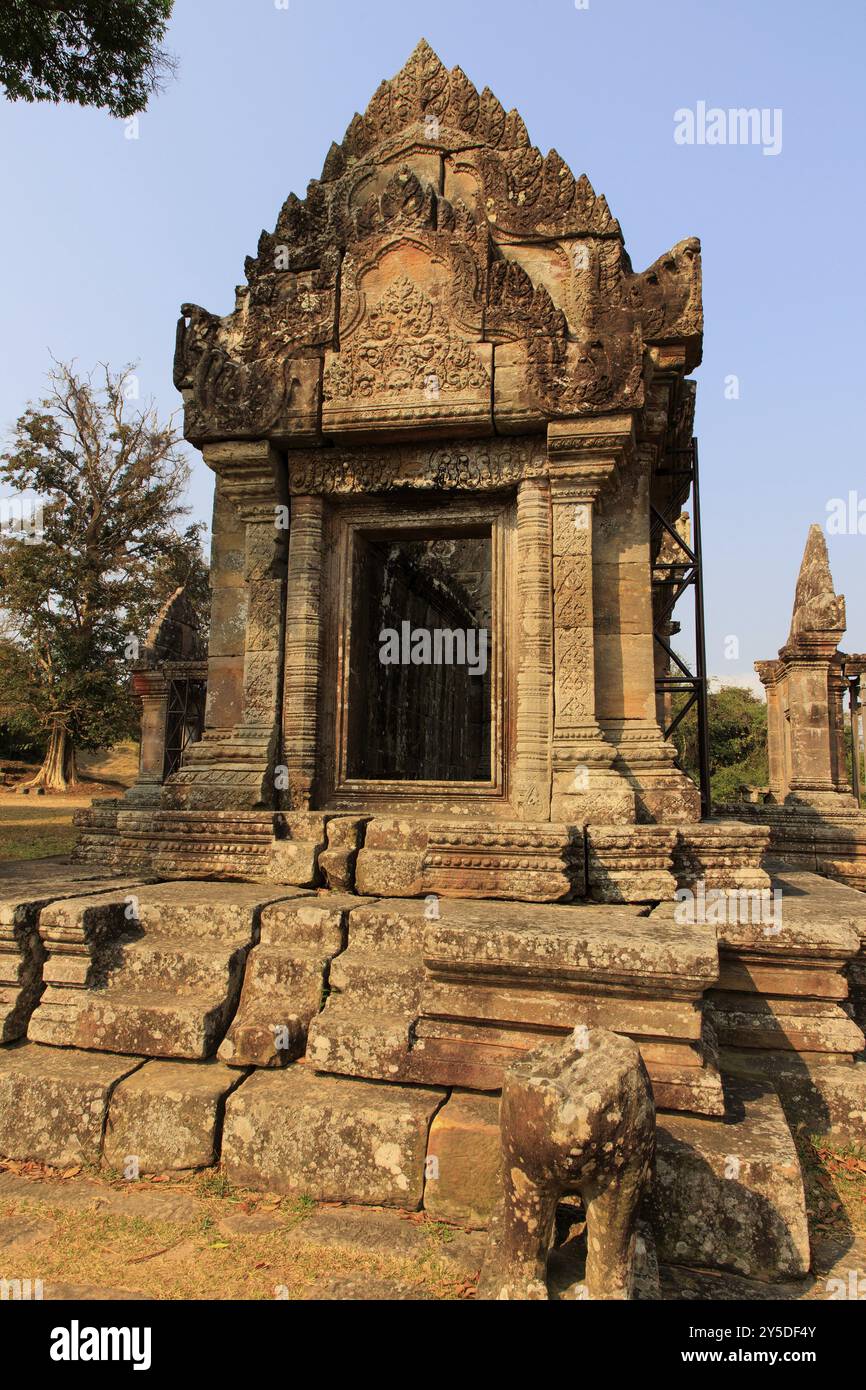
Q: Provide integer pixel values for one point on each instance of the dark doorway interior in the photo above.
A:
(420, 644)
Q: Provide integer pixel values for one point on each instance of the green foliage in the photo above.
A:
(75, 604)
(738, 741)
(103, 53)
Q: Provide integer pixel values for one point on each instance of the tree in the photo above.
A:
(103, 53)
(76, 605)
(738, 741)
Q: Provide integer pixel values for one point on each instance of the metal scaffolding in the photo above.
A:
(671, 579)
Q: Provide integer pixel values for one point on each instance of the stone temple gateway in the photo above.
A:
(441, 411)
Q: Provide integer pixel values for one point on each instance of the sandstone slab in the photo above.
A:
(817, 1097)
(464, 1180)
(330, 1139)
(168, 1115)
(54, 1102)
(728, 1195)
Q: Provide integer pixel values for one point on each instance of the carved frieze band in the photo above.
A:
(472, 466)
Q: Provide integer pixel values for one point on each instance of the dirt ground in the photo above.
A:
(88, 1234)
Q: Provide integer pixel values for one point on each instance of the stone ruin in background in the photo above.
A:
(444, 399)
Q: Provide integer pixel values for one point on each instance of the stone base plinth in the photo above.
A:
(472, 859)
(817, 839)
(631, 864)
(451, 992)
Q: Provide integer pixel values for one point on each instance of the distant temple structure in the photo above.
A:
(814, 805)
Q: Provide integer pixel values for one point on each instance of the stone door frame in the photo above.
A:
(345, 522)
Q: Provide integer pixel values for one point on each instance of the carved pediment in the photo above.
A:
(521, 304)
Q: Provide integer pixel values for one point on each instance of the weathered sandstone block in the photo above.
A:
(464, 1180)
(818, 1097)
(329, 1139)
(167, 1115)
(54, 1102)
(730, 1195)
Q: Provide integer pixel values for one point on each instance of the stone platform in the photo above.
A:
(399, 1018)
(453, 999)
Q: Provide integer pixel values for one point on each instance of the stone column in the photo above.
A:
(812, 751)
(232, 767)
(151, 688)
(303, 648)
(768, 672)
(534, 723)
(585, 787)
(838, 687)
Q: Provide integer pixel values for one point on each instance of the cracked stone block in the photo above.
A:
(330, 1139)
(168, 1115)
(729, 1195)
(464, 1160)
(54, 1102)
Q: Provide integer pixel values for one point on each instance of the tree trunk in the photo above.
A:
(59, 770)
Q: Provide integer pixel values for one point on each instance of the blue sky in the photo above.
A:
(103, 237)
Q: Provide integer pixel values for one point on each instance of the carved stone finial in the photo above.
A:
(817, 606)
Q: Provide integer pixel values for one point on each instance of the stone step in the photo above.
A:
(372, 1045)
(159, 963)
(54, 1102)
(382, 980)
(286, 978)
(167, 957)
(329, 1139)
(152, 1023)
(826, 1097)
(729, 1194)
(796, 1025)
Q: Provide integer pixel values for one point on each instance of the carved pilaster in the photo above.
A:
(233, 768)
(303, 647)
(534, 724)
(585, 787)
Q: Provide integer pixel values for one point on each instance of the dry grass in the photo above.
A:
(34, 831)
(835, 1177)
(200, 1257)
